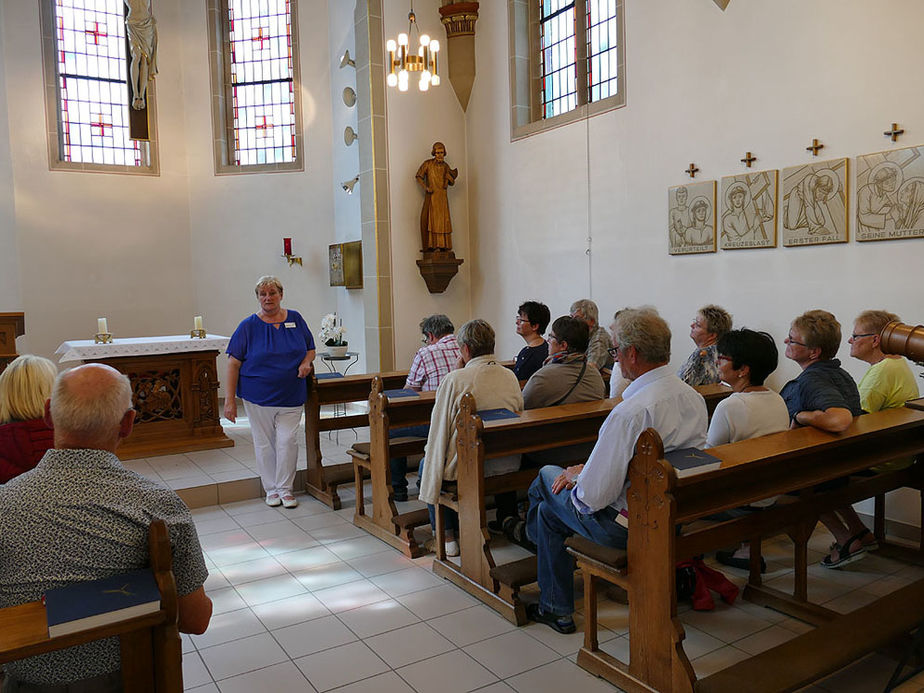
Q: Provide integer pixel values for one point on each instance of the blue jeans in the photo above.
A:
(552, 519)
(399, 464)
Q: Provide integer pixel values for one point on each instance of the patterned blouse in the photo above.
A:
(80, 515)
(702, 368)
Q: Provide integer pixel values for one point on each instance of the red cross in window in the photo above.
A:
(261, 38)
(95, 33)
(101, 124)
(264, 126)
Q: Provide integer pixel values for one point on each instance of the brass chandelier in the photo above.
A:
(401, 62)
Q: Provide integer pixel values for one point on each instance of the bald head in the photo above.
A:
(91, 407)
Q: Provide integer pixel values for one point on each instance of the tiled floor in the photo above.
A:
(304, 601)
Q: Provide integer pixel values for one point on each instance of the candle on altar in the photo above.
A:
(197, 322)
(287, 246)
(102, 327)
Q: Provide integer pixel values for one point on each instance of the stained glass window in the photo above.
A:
(564, 84)
(90, 56)
(262, 81)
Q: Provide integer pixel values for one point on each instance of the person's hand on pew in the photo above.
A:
(833, 420)
(566, 479)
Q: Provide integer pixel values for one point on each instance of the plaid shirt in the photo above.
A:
(432, 362)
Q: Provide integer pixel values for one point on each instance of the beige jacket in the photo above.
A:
(494, 387)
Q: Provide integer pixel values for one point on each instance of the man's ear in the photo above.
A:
(127, 424)
(47, 416)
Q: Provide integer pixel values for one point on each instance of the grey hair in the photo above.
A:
(718, 320)
(89, 412)
(588, 309)
(645, 330)
(478, 336)
(267, 280)
(438, 325)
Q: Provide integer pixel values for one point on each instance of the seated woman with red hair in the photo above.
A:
(25, 385)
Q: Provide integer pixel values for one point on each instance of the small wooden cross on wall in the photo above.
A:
(814, 147)
(748, 159)
(691, 171)
(894, 132)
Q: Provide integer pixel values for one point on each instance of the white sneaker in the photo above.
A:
(273, 499)
(289, 501)
(452, 547)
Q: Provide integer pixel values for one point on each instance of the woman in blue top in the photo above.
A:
(269, 357)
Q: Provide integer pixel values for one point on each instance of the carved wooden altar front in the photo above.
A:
(175, 396)
(12, 325)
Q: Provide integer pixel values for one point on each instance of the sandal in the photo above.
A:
(844, 556)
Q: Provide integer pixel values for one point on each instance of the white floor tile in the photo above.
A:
(511, 653)
(381, 563)
(338, 532)
(471, 625)
(230, 626)
(354, 548)
(239, 573)
(330, 575)
(437, 601)
(453, 672)
(388, 682)
(376, 618)
(559, 676)
(727, 623)
(313, 636)
(270, 589)
(288, 612)
(764, 640)
(224, 600)
(279, 678)
(339, 666)
(194, 671)
(350, 596)
(304, 559)
(240, 656)
(408, 645)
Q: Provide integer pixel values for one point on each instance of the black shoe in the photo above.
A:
(400, 496)
(515, 530)
(563, 624)
(499, 526)
(728, 558)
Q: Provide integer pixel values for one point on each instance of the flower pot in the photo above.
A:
(338, 351)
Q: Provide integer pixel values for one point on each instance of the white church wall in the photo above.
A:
(415, 121)
(702, 86)
(237, 222)
(95, 244)
(10, 295)
(347, 218)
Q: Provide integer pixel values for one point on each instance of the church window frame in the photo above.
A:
(236, 78)
(547, 88)
(80, 81)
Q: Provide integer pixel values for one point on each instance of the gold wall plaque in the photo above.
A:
(346, 264)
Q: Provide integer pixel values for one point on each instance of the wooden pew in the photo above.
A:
(152, 660)
(536, 429)
(662, 499)
(386, 414)
(322, 481)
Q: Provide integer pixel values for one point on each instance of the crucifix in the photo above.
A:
(691, 171)
(141, 44)
(894, 132)
(814, 147)
(748, 159)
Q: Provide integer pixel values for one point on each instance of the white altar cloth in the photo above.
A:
(84, 349)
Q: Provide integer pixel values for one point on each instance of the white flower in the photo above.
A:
(332, 330)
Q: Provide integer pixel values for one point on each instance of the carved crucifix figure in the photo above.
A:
(141, 28)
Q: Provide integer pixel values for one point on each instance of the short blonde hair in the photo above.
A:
(820, 330)
(876, 320)
(267, 280)
(718, 320)
(24, 386)
(478, 336)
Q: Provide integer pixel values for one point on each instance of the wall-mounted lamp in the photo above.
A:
(347, 185)
(349, 135)
(347, 60)
(349, 96)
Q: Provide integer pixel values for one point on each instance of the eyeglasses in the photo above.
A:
(552, 337)
(789, 340)
(522, 319)
(723, 357)
(855, 337)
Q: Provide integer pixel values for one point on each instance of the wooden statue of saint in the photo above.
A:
(435, 176)
(142, 40)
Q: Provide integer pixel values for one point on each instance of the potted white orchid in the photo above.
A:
(333, 334)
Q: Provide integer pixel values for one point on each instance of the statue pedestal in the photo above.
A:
(437, 268)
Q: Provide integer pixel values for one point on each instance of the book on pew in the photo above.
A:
(688, 458)
(85, 605)
(495, 414)
(328, 376)
(402, 392)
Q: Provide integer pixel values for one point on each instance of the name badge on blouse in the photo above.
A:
(290, 325)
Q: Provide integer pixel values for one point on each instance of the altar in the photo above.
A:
(174, 390)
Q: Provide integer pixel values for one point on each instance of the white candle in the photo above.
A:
(197, 321)
(102, 327)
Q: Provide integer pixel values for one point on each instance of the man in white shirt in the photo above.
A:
(586, 499)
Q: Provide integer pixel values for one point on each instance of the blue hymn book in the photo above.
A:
(85, 605)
